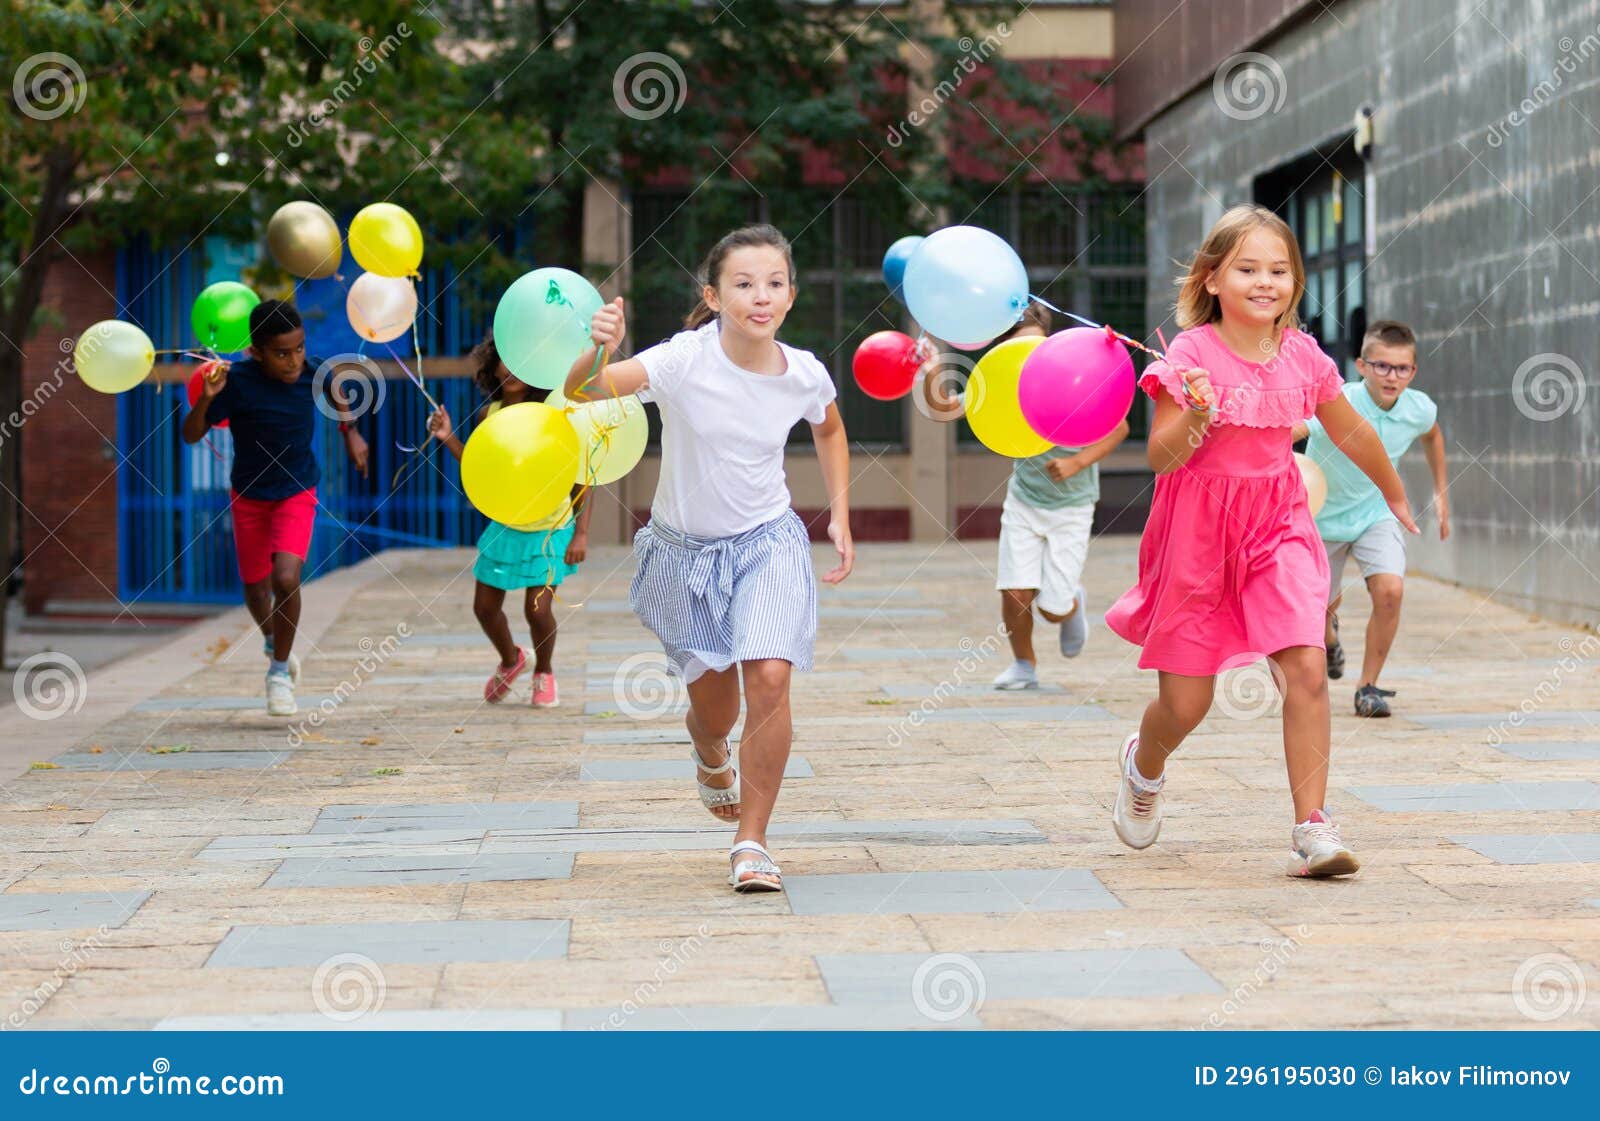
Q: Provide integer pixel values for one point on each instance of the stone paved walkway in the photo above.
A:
(414, 858)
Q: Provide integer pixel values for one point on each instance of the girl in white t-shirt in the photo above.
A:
(724, 573)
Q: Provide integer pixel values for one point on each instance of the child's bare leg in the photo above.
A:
(1386, 592)
(713, 710)
(286, 603)
(539, 606)
(486, 605)
(1306, 727)
(1180, 704)
(764, 745)
(1016, 611)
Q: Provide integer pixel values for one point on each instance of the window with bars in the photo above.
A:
(1085, 253)
(1323, 199)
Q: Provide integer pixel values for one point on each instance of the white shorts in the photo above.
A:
(1044, 550)
(1380, 551)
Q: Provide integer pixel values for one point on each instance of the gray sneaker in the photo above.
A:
(1372, 701)
(1018, 675)
(1336, 654)
(1075, 629)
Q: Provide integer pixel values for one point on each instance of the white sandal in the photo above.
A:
(716, 797)
(755, 869)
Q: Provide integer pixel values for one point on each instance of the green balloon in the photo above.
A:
(541, 325)
(221, 316)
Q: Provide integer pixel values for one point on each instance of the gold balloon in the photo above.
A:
(304, 239)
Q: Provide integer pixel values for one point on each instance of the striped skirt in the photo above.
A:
(714, 601)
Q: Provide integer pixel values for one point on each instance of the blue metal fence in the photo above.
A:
(175, 533)
(174, 528)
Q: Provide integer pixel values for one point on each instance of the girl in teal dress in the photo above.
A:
(535, 557)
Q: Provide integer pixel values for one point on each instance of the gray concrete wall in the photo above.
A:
(1485, 180)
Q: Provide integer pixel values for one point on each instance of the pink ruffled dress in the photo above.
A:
(1230, 566)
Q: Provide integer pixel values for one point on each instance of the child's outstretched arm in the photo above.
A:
(195, 424)
(615, 379)
(1352, 435)
(1433, 451)
(1063, 467)
(441, 428)
(1178, 429)
(833, 454)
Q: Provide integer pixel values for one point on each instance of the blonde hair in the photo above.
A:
(1195, 305)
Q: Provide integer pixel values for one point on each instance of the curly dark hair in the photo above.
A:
(486, 367)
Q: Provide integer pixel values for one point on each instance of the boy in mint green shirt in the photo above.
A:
(1355, 519)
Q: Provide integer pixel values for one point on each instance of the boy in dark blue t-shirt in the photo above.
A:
(269, 402)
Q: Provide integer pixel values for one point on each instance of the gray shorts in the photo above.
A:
(1380, 551)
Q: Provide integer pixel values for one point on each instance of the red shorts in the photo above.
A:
(261, 528)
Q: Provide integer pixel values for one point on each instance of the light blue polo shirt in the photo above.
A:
(1355, 504)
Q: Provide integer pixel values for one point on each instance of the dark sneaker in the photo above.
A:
(1372, 701)
(1336, 654)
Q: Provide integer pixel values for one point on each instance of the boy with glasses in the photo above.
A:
(1355, 519)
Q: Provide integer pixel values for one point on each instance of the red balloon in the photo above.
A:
(193, 389)
(886, 365)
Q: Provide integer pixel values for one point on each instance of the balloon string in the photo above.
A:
(1188, 389)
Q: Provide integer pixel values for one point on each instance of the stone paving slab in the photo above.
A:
(905, 979)
(756, 1017)
(910, 691)
(1550, 751)
(173, 761)
(359, 871)
(68, 910)
(405, 1019)
(1536, 848)
(414, 842)
(482, 816)
(790, 833)
(1561, 718)
(1481, 797)
(266, 947)
(255, 702)
(949, 893)
(1016, 714)
(660, 770)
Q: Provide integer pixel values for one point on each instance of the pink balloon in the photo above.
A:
(971, 346)
(1076, 386)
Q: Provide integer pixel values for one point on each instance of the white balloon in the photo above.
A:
(381, 308)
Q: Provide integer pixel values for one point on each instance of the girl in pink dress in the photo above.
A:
(1231, 569)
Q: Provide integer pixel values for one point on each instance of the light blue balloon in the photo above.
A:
(964, 283)
(541, 325)
(894, 264)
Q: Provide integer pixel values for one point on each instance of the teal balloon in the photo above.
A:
(541, 325)
(221, 316)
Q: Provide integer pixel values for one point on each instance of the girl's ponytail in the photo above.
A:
(699, 315)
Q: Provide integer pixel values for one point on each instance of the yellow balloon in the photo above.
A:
(113, 356)
(991, 400)
(613, 432)
(385, 239)
(1316, 482)
(520, 463)
(304, 239)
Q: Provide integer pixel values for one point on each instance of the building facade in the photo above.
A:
(1437, 160)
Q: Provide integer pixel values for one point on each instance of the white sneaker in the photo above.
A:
(1075, 629)
(280, 695)
(1318, 850)
(1018, 675)
(1137, 816)
(293, 660)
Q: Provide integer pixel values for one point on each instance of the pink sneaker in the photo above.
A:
(499, 683)
(544, 691)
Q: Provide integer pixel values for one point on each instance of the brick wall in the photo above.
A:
(69, 461)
